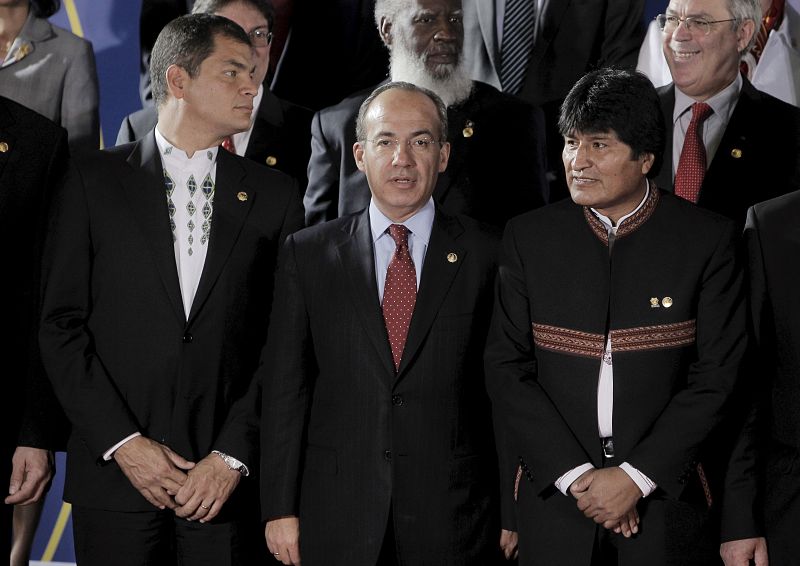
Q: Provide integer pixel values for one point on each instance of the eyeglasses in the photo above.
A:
(260, 37)
(702, 27)
(387, 146)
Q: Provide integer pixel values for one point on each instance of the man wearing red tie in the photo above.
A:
(729, 145)
(376, 429)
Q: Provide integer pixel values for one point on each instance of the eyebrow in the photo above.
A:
(235, 63)
(414, 134)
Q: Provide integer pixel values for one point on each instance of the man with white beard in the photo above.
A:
(497, 159)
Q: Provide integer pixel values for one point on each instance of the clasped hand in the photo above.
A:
(608, 496)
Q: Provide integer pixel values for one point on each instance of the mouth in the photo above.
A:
(681, 55)
(442, 57)
(580, 180)
(403, 181)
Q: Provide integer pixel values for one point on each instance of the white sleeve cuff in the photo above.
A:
(108, 454)
(642, 481)
(563, 483)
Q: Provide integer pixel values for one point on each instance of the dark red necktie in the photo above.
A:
(399, 293)
(227, 143)
(692, 163)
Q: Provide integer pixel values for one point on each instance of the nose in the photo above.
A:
(580, 158)
(682, 33)
(249, 85)
(447, 30)
(403, 156)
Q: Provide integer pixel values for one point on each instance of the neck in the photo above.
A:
(182, 132)
(12, 20)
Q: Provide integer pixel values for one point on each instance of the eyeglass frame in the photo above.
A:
(690, 23)
(395, 143)
(268, 36)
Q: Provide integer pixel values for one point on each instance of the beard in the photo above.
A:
(451, 83)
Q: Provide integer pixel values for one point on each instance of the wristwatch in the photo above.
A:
(232, 463)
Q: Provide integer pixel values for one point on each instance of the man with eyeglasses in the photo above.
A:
(729, 145)
(497, 162)
(376, 430)
(279, 131)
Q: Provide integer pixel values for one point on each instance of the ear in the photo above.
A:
(743, 35)
(358, 153)
(444, 156)
(385, 30)
(647, 163)
(176, 81)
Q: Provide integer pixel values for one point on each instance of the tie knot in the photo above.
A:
(399, 234)
(700, 112)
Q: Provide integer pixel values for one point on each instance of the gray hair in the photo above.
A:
(743, 10)
(441, 109)
(389, 9)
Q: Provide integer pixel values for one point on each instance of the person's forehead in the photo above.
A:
(245, 14)
(423, 6)
(698, 7)
(228, 48)
(402, 107)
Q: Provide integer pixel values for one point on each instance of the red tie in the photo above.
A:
(692, 164)
(227, 143)
(399, 293)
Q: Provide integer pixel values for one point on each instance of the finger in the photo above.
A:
(213, 511)
(294, 554)
(760, 557)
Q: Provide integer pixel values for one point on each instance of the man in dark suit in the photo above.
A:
(157, 286)
(749, 139)
(33, 156)
(278, 133)
(568, 38)
(496, 167)
(766, 499)
(609, 371)
(376, 430)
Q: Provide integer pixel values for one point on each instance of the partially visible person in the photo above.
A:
(497, 161)
(617, 339)
(559, 43)
(772, 65)
(158, 271)
(376, 430)
(279, 131)
(33, 157)
(729, 145)
(49, 70)
(762, 510)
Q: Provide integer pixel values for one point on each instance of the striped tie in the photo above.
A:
(519, 23)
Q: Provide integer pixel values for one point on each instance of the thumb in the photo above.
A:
(179, 460)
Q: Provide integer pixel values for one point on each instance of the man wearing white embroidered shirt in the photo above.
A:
(609, 370)
(158, 275)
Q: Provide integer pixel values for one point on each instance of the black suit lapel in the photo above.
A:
(667, 97)
(7, 137)
(232, 203)
(357, 260)
(549, 23)
(147, 195)
(438, 272)
(265, 137)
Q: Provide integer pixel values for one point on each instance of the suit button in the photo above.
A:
(187, 338)
(387, 455)
(397, 400)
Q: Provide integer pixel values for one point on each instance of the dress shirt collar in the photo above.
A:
(721, 103)
(178, 156)
(420, 225)
(607, 221)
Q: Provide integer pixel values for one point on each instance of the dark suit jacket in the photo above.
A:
(33, 155)
(771, 442)
(766, 133)
(116, 344)
(493, 174)
(280, 136)
(346, 439)
(674, 366)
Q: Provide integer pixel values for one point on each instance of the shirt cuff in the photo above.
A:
(108, 454)
(563, 483)
(642, 481)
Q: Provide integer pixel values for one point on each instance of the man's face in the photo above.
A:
(401, 177)
(602, 173)
(250, 20)
(703, 65)
(433, 31)
(220, 96)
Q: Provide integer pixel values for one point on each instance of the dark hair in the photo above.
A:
(187, 41)
(621, 101)
(441, 109)
(214, 6)
(45, 8)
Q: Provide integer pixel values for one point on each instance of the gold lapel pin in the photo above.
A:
(3, 147)
(242, 196)
(654, 303)
(468, 130)
(736, 153)
(271, 160)
(667, 302)
(452, 257)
